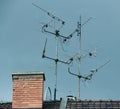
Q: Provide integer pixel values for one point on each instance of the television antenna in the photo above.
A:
(79, 56)
(57, 35)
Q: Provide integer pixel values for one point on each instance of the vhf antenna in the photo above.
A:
(57, 36)
(56, 60)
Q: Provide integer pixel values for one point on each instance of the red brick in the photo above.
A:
(28, 90)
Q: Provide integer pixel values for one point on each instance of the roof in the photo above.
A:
(86, 104)
(7, 105)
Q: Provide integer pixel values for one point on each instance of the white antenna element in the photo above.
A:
(95, 70)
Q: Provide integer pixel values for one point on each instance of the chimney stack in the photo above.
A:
(27, 90)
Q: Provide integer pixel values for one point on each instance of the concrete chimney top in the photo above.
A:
(27, 74)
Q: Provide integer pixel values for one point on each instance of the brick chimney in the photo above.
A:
(27, 90)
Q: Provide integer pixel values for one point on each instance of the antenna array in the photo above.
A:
(79, 56)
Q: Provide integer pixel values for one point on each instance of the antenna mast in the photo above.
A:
(78, 30)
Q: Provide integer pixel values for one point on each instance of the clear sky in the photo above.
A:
(22, 42)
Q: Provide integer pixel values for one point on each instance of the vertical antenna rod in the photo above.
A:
(56, 62)
(79, 58)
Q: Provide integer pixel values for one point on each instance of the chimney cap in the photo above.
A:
(35, 73)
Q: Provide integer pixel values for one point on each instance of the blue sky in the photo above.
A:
(21, 44)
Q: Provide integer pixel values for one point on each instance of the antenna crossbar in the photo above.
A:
(57, 60)
(79, 76)
(56, 33)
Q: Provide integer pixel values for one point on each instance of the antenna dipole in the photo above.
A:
(56, 60)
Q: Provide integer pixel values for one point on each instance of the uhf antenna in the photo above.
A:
(50, 14)
(79, 56)
(56, 32)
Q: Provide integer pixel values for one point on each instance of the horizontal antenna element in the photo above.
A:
(95, 70)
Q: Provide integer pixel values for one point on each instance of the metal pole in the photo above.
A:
(55, 89)
(79, 58)
(56, 62)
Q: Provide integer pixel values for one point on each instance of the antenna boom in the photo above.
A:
(50, 14)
